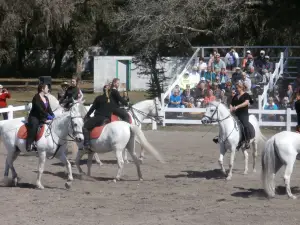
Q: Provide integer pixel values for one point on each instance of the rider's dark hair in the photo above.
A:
(41, 87)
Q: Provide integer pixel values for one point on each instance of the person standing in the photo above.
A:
(4, 94)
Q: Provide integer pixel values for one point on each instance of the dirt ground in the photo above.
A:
(188, 189)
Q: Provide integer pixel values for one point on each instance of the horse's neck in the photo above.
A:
(145, 108)
(60, 127)
(226, 123)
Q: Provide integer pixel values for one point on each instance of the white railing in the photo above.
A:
(273, 80)
(11, 109)
(287, 123)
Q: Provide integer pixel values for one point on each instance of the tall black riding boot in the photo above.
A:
(86, 142)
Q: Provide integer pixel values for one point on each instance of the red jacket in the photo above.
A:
(3, 97)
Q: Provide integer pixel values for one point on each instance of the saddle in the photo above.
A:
(22, 132)
(97, 131)
(242, 131)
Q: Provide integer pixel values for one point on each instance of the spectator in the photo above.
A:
(223, 78)
(216, 90)
(229, 98)
(249, 64)
(200, 93)
(290, 93)
(187, 99)
(296, 84)
(64, 86)
(212, 58)
(209, 75)
(267, 64)
(232, 59)
(209, 98)
(218, 64)
(271, 106)
(175, 100)
(223, 98)
(4, 94)
(259, 63)
(194, 76)
(245, 59)
(178, 88)
(247, 82)
(236, 76)
(297, 108)
(202, 66)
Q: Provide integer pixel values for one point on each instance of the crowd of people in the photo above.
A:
(216, 79)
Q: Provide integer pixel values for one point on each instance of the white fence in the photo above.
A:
(287, 113)
(11, 109)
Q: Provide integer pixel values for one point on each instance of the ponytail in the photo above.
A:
(107, 94)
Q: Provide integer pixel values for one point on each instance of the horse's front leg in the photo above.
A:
(246, 161)
(80, 153)
(65, 161)
(232, 155)
(97, 158)
(42, 160)
(222, 153)
(254, 154)
(89, 163)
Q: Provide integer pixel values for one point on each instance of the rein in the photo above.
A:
(219, 122)
(59, 138)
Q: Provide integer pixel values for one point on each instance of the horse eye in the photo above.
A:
(211, 110)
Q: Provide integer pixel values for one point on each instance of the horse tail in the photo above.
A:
(261, 139)
(268, 161)
(144, 142)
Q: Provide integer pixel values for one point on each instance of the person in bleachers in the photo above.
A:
(232, 59)
(297, 108)
(236, 76)
(202, 66)
(175, 100)
(200, 93)
(223, 78)
(187, 99)
(247, 82)
(218, 64)
(267, 64)
(271, 106)
(209, 75)
(260, 61)
(209, 98)
(245, 59)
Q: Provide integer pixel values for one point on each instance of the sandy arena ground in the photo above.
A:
(188, 189)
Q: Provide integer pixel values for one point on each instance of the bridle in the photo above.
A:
(74, 132)
(219, 121)
(156, 118)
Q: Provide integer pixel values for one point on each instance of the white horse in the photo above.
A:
(117, 136)
(230, 134)
(58, 110)
(140, 111)
(281, 149)
(50, 140)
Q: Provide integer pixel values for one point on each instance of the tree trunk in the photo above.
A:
(59, 54)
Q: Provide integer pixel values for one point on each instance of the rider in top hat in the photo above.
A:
(71, 93)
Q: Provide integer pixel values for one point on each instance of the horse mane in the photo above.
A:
(137, 105)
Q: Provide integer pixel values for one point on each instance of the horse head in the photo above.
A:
(77, 113)
(211, 113)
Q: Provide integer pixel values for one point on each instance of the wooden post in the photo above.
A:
(288, 119)
(10, 112)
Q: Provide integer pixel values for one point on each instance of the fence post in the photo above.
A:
(288, 119)
(259, 109)
(154, 125)
(163, 109)
(10, 113)
(281, 63)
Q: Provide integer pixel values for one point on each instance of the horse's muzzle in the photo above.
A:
(205, 120)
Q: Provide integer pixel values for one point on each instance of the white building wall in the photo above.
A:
(105, 69)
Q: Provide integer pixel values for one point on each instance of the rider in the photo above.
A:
(103, 110)
(239, 105)
(71, 93)
(40, 113)
(115, 98)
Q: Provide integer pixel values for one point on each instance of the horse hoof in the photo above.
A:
(245, 172)
(254, 170)
(228, 178)
(141, 179)
(15, 181)
(68, 184)
(126, 161)
(293, 197)
(41, 187)
(115, 180)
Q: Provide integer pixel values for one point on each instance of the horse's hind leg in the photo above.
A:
(97, 158)
(90, 163)
(11, 157)
(131, 147)
(254, 154)
(80, 153)
(125, 156)
(287, 176)
(119, 155)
